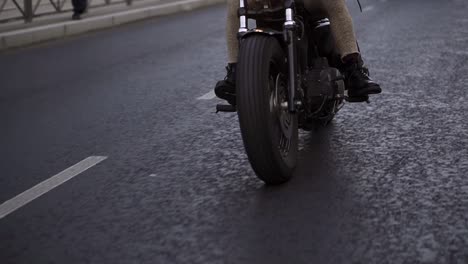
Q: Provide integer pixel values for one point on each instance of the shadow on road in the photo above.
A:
(291, 222)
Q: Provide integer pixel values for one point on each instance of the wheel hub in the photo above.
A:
(284, 118)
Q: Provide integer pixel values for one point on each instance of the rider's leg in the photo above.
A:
(226, 88)
(357, 76)
(232, 27)
(341, 26)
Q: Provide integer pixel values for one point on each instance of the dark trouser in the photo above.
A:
(79, 6)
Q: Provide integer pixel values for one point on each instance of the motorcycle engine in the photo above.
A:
(324, 84)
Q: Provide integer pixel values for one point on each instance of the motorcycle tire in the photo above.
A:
(269, 131)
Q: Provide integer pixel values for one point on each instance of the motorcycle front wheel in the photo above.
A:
(269, 130)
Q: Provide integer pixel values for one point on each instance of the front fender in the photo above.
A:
(266, 32)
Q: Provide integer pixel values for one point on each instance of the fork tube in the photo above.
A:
(290, 39)
(242, 18)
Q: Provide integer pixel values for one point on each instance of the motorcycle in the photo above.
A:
(287, 79)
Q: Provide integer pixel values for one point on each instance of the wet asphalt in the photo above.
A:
(387, 182)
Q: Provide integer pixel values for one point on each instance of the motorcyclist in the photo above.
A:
(357, 79)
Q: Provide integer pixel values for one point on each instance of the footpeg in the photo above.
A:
(226, 108)
(358, 99)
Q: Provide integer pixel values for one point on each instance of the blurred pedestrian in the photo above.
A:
(79, 7)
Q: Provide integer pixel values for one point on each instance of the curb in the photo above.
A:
(29, 36)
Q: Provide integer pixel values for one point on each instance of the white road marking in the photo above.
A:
(459, 52)
(368, 8)
(26, 197)
(208, 96)
(153, 175)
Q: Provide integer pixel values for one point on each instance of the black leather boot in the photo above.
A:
(358, 82)
(76, 16)
(226, 89)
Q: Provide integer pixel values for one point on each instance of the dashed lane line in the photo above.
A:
(35, 192)
(208, 96)
(368, 8)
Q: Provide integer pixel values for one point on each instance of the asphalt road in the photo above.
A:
(385, 183)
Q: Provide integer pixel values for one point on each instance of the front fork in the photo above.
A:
(244, 27)
(290, 40)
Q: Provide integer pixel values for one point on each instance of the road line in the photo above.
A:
(367, 8)
(26, 197)
(207, 96)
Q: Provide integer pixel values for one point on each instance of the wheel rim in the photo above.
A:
(283, 119)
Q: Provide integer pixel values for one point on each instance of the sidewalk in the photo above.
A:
(17, 33)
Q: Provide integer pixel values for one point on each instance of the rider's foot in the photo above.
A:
(76, 16)
(358, 82)
(226, 89)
